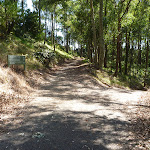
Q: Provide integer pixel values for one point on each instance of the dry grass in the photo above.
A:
(16, 86)
(10, 82)
(8, 102)
(14, 90)
(141, 122)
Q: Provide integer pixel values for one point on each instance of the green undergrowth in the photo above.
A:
(121, 81)
(28, 47)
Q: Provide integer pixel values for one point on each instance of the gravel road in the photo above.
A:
(70, 110)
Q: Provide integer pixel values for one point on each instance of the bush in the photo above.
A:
(45, 57)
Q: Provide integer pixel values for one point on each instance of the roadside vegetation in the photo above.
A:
(17, 84)
(112, 36)
(140, 123)
(133, 82)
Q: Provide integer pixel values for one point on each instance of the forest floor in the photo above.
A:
(70, 110)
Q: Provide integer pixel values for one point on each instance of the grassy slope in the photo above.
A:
(122, 81)
(15, 83)
(17, 46)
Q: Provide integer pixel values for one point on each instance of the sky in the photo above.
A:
(29, 4)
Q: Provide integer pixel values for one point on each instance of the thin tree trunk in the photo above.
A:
(101, 39)
(54, 26)
(106, 49)
(127, 53)
(131, 56)
(94, 33)
(45, 27)
(52, 17)
(139, 48)
(6, 23)
(67, 41)
(113, 53)
(88, 49)
(146, 67)
(118, 58)
(120, 54)
(91, 50)
(39, 14)
(118, 45)
(105, 58)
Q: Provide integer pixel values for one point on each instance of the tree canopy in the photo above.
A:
(111, 34)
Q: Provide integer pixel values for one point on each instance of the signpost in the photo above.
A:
(16, 60)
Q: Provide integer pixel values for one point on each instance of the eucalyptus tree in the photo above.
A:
(94, 33)
(37, 5)
(122, 8)
(101, 39)
(9, 15)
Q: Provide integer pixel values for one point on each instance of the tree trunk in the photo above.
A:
(54, 26)
(94, 33)
(91, 51)
(139, 48)
(101, 40)
(147, 54)
(127, 53)
(6, 23)
(106, 49)
(52, 35)
(45, 27)
(67, 41)
(120, 54)
(22, 7)
(131, 56)
(105, 58)
(146, 67)
(88, 49)
(39, 14)
(113, 53)
(118, 45)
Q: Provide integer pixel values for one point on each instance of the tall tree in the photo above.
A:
(120, 17)
(101, 39)
(39, 14)
(94, 33)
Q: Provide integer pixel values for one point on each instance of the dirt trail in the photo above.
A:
(72, 111)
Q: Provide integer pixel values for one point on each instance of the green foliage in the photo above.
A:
(8, 17)
(43, 54)
(131, 82)
(74, 18)
(28, 26)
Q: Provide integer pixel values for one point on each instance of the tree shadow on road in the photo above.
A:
(69, 115)
(64, 131)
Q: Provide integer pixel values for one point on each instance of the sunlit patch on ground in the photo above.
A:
(72, 111)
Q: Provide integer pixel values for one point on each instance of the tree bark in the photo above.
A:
(39, 14)
(67, 41)
(101, 39)
(118, 57)
(147, 54)
(106, 49)
(54, 26)
(131, 56)
(118, 45)
(139, 50)
(146, 64)
(52, 35)
(94, 33)
(113, 53)
(120, 54)
(45, 27)
(127, 53)
(6, 23)
(105, 58)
